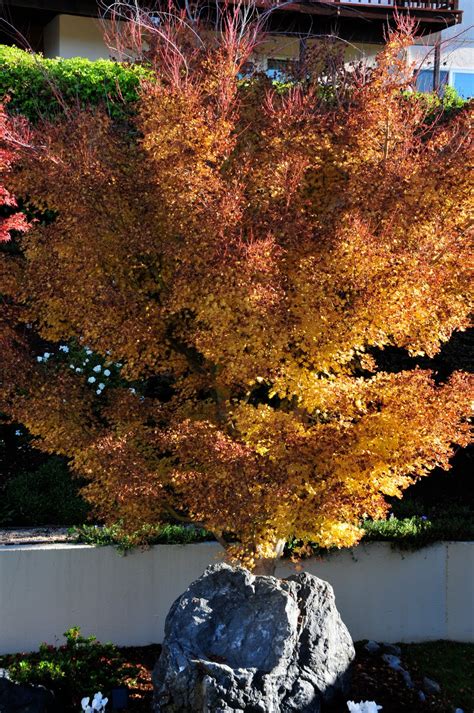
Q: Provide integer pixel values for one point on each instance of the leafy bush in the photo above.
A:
(148, 535)
(46, 496)
(449, 102)
(415, 532)
(81, 665)
(34, 83)
(419, 531)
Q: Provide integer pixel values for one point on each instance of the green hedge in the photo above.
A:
(33, 83)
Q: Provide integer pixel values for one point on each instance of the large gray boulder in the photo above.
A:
(238, 642)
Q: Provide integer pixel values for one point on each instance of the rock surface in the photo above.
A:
(16, 698)
(236, 642)
(430, 686)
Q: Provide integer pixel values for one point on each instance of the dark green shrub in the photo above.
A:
(79, 668)
(34, 83)
(46, 496)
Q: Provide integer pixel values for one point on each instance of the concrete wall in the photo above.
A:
(381, 593)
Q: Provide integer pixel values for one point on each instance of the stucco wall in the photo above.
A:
(73, 36)
(381, 593)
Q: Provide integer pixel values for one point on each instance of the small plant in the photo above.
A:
(80, 664)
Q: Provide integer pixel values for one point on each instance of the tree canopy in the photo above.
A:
(241, 253)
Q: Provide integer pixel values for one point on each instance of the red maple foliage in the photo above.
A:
(8, 152)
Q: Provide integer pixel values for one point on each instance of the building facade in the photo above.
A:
(59, 28)
(456, 45)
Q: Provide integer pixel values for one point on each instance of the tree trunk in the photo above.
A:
(266, 565)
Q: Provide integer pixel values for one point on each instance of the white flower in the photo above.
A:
(71, 366)
(97, 368)
(363, 707)
(106, 372)
(46, 356)
(39, 358)
(91, 379)
(101, 386)
(88, 352)
(17, 433)
(64, 348)
(99, 703)
(78, 370)
(132, 390)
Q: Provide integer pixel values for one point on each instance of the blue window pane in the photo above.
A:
(277, 68)
(464, 84)
(424, 80)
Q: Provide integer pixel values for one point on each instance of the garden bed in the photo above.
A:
(450, 664)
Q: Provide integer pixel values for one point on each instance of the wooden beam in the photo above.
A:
(364, 21)
(88, 8)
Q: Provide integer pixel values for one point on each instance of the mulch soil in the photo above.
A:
(141, 689)
(372, 680)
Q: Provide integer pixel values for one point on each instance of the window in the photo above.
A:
(424, 80)
(463, 82)
(277, 68)
(248, 69)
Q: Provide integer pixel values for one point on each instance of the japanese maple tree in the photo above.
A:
(10, 219)
(242, 253)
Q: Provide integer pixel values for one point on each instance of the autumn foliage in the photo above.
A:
(244, 253)
(8, 150)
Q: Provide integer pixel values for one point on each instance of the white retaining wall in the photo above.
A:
(382, 593)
